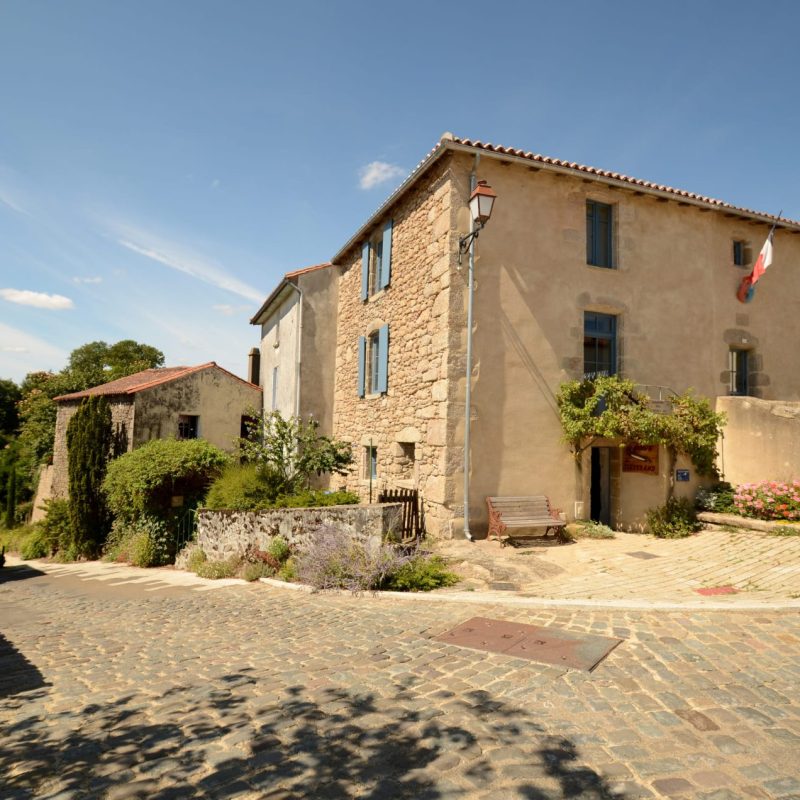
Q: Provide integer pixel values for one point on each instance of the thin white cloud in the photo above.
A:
(175, 257)
(22, 352)
(25, 297)
(378, 172)
(228, 310)
(7, 200)
(94, 279)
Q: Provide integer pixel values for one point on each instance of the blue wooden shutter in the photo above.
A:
(383, 359)
(386, 261)
(362, 360)
(365, 270)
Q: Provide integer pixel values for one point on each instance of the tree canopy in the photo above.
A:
(10, 395)
(97, 362)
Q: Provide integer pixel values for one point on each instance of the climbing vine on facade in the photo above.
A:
(612, 408)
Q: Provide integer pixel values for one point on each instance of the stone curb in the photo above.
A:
(760, 525)
(485, 598)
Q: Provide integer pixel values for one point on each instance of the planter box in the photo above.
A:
(224, 534)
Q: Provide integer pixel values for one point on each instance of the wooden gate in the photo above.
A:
(412, 527)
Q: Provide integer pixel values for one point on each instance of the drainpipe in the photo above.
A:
(468, 399)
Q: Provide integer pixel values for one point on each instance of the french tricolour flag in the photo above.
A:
(764, 259)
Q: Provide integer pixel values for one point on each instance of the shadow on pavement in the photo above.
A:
(19, 572)
(213, 742)
(17, 674)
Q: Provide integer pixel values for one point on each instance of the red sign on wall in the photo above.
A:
(641, 458)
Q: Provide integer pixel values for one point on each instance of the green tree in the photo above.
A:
(289, 452)
(97, 362)
(11, 499)
(10, 395)
(89, 439)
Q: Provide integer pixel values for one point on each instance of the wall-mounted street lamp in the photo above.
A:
(481, 202)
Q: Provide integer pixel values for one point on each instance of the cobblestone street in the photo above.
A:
(256, 692)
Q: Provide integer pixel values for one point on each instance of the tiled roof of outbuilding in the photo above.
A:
(146, 379)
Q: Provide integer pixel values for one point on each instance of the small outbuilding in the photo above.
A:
(202, 402)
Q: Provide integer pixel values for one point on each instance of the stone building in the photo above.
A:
(202, 402)
(580, 271)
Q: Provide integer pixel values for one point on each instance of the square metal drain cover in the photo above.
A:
(547, 645)
(642, 554)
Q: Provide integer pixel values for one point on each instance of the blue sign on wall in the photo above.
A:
(681, 474)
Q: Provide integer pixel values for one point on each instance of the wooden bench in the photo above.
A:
(523, 512)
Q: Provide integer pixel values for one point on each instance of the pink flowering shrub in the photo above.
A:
(769, 500)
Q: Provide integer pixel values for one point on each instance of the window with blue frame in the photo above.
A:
(599, 234)
(373, 362)
(599, 344)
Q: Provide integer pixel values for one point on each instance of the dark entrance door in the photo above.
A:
(601, 485)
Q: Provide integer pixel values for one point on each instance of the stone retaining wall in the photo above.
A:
(224, 534)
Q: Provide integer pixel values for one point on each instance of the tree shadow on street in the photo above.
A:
(19, 572)
(17, 674)
(227, 739)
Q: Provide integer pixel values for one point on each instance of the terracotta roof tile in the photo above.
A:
(145, 380)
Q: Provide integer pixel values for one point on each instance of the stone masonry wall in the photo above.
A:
(413, 417)
(223, 534)
(121, 420)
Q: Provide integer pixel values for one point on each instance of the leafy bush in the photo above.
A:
(196, 557)
(674, 520)
(145, 542)
(245, 487)
(15, 540)
(36, 545)
(254, 571)
(771, 500)
(217, 569)
(23, 512)
(57, 525)
(314, 499)
(332, 559)
(288, 572)
(596, 530)
(421, 574)
(240, 487)
(279, 549)
(144, 481)
(718, 498)
(289, 452)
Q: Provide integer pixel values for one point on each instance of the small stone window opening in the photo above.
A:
(370, 462)
(187, 426)
(407, 458)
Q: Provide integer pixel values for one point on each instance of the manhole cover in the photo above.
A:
(546, 645)
(642, 554)
(712, 590)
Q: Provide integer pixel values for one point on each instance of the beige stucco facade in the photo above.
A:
(761, 441)
(215, 397)
(672, 292)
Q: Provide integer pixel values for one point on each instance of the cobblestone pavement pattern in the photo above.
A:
(254, 692)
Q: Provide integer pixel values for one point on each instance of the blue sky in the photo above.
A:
(164, 162)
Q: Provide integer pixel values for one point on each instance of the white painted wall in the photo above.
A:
(280, 350)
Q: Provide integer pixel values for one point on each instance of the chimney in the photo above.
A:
(254, 366)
